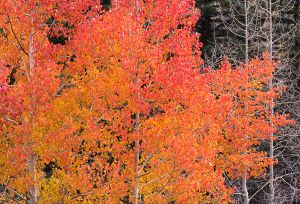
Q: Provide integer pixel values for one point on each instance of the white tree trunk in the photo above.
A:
(32, 173)
(32, 159)
(245, 190)
(271, 153)
(244, 180)
(136, 162)
(137, 145)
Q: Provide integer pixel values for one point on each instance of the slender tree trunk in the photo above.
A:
(246, 32)
(32, 173)
(272, 189)
(137, 144)
(137, 129)
(136, 161)
(245, 190)
(32, 159)
(244, 180)
(271, 153)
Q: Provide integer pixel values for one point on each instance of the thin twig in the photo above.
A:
(16, 37)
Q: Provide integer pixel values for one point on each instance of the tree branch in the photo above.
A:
(16, 37)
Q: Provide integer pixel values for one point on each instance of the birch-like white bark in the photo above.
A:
(32, 157)
(271, 151)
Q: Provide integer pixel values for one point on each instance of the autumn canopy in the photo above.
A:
(112, 104)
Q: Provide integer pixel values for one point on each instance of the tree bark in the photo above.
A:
(245, 190)
(137, 143)
(271, 151)
(32, 159)
(136, 162)
(32, 173)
